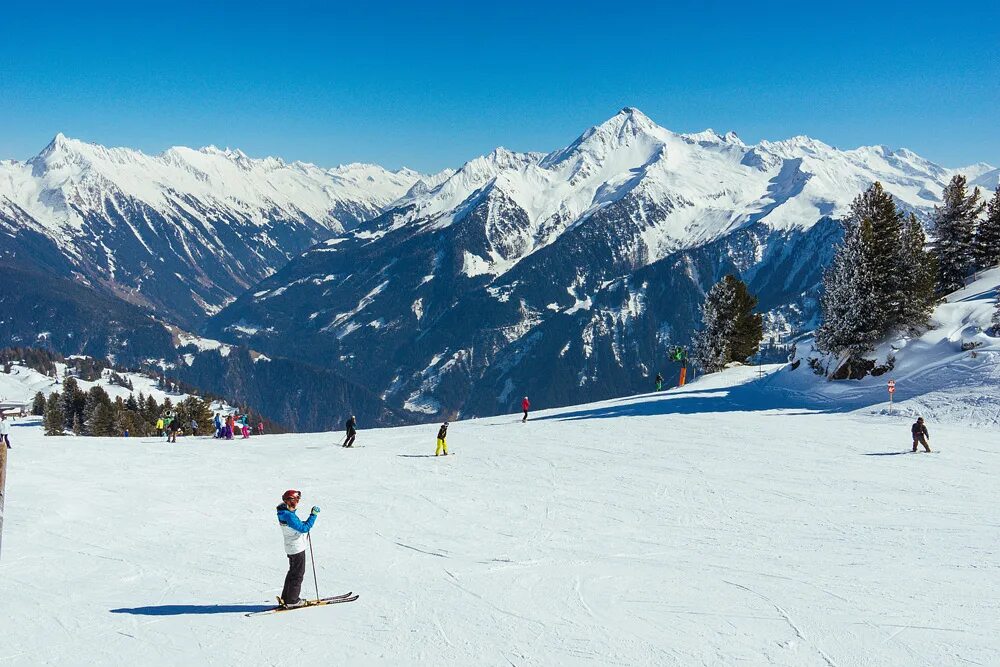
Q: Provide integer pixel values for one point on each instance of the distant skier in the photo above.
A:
(260, 428)
(920, 434)
(167, 421)
(4, 430)
(194, 427)
(229, 427)
(441, 444)
(352, 431)
(172, 430)
(294, 531)
(218, 426)
(659, 382)
(159, 427)
(525, 405)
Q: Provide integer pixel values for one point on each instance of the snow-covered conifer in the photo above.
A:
(986, 246)
(877, 207)
(954, 229)
(852, 322)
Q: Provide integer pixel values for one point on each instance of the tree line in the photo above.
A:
(94, 413)
(885, 279)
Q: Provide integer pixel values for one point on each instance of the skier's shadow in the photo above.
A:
(415, 456)
(183, 609)
(886, 453)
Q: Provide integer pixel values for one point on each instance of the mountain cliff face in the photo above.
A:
(182, 233)
(567, 275)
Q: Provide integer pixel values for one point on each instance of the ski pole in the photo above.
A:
(312, 558)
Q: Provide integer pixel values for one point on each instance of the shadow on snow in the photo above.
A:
(184, 609)
(752, 396)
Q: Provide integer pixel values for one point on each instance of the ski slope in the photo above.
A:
(689, 527)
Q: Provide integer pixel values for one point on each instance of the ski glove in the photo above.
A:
(315, 510)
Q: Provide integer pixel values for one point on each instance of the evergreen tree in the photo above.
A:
(131, 404)
(986, 247)
(954, 229)
(38, 404)
(53, 419)
(917, 276)
(102, 423)
(852, 322)
(731, 331)
(194, 408)
(72, 401)
(95, 420)
(885, 262)
(77, 425)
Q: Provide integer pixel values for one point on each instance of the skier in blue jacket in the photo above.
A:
(294, 531)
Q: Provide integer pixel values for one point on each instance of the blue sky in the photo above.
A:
(430, 85)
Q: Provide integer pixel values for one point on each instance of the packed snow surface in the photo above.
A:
(703, 525)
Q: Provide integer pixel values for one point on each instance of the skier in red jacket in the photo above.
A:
(525, 405)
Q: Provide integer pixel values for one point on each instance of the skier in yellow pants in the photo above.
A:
(441, 444)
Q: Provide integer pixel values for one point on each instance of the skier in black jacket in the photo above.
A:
(920, 434)
(352, 431)
(441, 444)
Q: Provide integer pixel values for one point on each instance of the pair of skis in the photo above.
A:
(336, 599)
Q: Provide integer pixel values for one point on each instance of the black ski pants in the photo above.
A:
(293, 580)
(350, 440)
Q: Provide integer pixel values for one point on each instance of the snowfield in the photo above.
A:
(702, 525)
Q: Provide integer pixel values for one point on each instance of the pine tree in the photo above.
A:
(852, 322)
(876, 206)
(954, 229)
(711, 347)
(38, 404)
(103, 421)
(917, 276)
(731, 330)
(53, 419)
(986, 246)
(77, 425)
(72, 401)
(97, 412)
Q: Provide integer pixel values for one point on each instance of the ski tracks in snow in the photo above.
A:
(788, 619)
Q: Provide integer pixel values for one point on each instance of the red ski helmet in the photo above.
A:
(290, 493)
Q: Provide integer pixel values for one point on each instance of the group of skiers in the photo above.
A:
(168, 426)
(296, 531)
(226, 427)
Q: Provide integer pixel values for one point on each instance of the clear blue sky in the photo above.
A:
(430, 85)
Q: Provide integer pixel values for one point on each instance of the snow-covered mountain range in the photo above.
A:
(184, 232)
(553, 274)
(570, 272)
